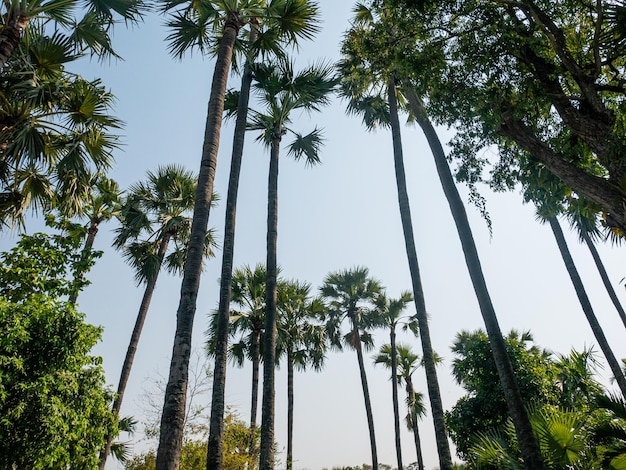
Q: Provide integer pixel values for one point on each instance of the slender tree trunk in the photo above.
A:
(173, 417)
(605, 277)
(269, 355)
(289, 409)
(529, 446)
(89, 241)
(432, 382)
(586, 305)
(414, 426)
(394, 391)
(11, 35)
(216, 427)
(366, 395)
(255, 352)
(132, 346)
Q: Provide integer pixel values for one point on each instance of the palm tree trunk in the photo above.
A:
(255, 352)
(605, 277)
(366, 396)
(11, 35)
(173, 416)
(529, 446)
(394, 391)
(289, 409)
(89, 241)
(414, 427)
(432, 382)
(269, 354)
(132, 346)
(216, 426)
(586, 305)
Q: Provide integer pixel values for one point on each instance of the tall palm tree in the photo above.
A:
(154, 216)
(289, 20)
(586, 304)
(391, 311)
(282, 93)
(300, 339)
(350, 297)
(528, 443)
(407, 364)
(585, 223)
(370, 85)
(195, 24)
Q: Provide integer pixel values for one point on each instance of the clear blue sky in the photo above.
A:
(331, 217)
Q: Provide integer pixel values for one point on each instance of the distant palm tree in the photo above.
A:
(300, 339)
(283, 92)
(391, 312)
(102, 204)
(350, 296)
(154, 215)
(408, 363)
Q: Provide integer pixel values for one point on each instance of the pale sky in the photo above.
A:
(335, 216)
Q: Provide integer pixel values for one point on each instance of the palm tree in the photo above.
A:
(364, 85)
(154, 215)
(55, 130)
(89, 34)
(391, 311)
(192, 25)
(299, 338)
(407, 364)
(282, 93)
(586, 304)
(288, 21)
(103, 204)
(350, 296)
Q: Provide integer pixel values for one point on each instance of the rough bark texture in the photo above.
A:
(605, 277)
(173, 417)
(255, 352)
(432, 382)
(132, 346)
(216, 427)
(11, 35)
(269, 353)
(529, 446)
(586, 305)
(394, 397)
(366, 395)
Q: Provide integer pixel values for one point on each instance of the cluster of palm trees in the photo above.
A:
(349, 307)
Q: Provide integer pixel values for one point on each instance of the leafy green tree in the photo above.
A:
(350, 297)
(283, 92)
(610, 434)
(236, 456)
(300, 338)
(154, 217)
(484, 406)
(53, 399)
(538, 80)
